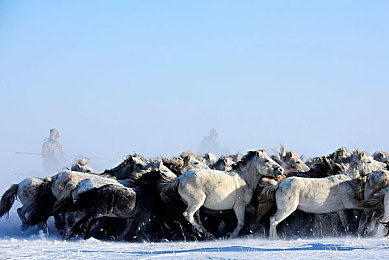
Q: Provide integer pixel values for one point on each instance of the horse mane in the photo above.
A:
(174, 164)
(130, 159)
(247, 158)
(268, 187)
(144, 177)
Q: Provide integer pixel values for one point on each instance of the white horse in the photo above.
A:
(291, 162)
(218, 190)
(321, 195)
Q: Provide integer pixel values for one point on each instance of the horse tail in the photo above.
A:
(269, 188)
(169, 190)
(8, 199)
(41, 208)
(375, 201)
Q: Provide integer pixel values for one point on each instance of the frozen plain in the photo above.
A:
(31, 245)
(249, 248)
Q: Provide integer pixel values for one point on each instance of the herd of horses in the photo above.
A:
(192, 197)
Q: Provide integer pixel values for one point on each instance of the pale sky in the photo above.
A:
(153, 77)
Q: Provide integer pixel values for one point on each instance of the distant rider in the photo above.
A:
(52, 152)
(210, 144)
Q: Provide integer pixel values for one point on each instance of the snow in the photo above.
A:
(249, 248)
(33, 245)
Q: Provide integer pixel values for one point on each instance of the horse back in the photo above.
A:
(222, 189)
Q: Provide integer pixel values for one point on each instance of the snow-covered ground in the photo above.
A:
(330, 248)
(14, 245)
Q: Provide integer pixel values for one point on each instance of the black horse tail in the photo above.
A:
(42, 206)
(8, 199)
(169, 190)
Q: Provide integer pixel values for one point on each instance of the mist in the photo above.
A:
(120, 78)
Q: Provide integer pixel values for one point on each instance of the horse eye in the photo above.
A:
(368, 161)
(266, 161)
(298, 162)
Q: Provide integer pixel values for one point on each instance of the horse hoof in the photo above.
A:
(209, 236)
(253, 228)
(23, 227)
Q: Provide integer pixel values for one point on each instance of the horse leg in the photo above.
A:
(22, 216)
(125, 231)
(89, 225)
(287, 203)
(59, 223)
(71, 219)
(373, 223)
(263, 207)
(68, 224)
(385, 218)
(194, 204)
(318, 225)
(343, 218)
(239, 212)
(362, 222)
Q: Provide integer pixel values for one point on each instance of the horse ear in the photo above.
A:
(283, 151)
(344, 151)
(160, 163)
(289, 155)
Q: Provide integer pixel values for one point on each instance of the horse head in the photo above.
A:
(381, 156)
(364, 163)
(267, 166)
(290, 161)
(132, 163)
(224, 163)
(207, 158)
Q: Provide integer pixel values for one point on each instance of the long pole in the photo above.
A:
(67, 155)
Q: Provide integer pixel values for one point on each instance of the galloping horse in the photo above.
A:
(218, 190)
(291, 162)
(321, 195)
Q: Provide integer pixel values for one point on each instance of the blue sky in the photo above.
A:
(155, 76)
